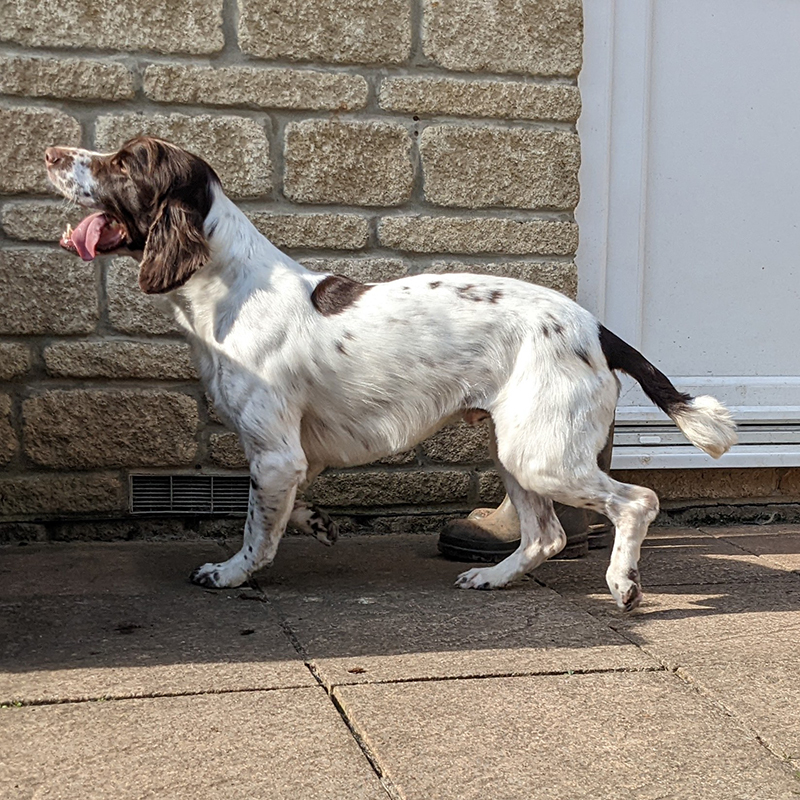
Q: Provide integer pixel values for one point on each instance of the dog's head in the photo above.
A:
(150, 197)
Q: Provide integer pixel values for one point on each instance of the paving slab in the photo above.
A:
(737, 644)
(643, 735)
(669, 558)
(85, 621)
(777, 545)
(281, 744)
(380, 608)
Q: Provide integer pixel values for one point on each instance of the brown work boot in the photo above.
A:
(489, 535)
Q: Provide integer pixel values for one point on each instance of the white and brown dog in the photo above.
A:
(316, 370)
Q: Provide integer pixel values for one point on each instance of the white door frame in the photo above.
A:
(615, 87)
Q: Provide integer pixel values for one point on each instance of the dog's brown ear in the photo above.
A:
(176, 248)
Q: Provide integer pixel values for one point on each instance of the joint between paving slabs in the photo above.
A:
(371, 758)
(682, 674)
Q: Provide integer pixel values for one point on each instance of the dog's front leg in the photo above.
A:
(274, 480)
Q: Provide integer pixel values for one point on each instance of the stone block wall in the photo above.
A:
(371, 139)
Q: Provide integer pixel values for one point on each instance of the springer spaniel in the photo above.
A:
(316, 370)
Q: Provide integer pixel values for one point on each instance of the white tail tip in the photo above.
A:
(707, 424)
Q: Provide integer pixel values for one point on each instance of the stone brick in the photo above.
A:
(337, 31)
(704, 484)
(8, 438)
(420, 234)
(39, 220)
(366, 270)
(459, 444)
(260, 88)
(15, 360)
(530, 37)
(82, 429)
(482, 167)
(75, 78)
(46, 291)
(390, 488)
(193, 26)
(213, 414)
(54, 494)
(397, 459)
(143, 360)
(125, 530)
(226, 451)
(12, 532)
(25, 133)
(490, 488)
(790, 482)
(357, 163)
(476, 98)
(333, 231)
(430, 522)
(559, 275)
(130, 310)
(236, 147)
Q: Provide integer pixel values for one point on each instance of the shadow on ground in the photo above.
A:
(371, 608)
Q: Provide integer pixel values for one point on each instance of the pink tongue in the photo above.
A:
(86, 236)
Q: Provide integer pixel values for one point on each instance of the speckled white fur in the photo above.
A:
(307, 390)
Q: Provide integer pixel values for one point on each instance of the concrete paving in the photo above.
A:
(359, 671)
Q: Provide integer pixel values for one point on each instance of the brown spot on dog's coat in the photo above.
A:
(334, 294)
(435, 284)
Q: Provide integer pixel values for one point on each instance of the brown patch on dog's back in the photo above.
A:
(334, 294)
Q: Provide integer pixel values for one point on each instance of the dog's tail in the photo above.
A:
(704, 421)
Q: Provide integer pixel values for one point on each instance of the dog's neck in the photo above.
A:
(243, 262)
(236, 243)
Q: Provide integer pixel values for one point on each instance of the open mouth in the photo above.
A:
(97, 233)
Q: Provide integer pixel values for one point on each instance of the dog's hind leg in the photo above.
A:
(631, 509)
(541, 537)
(274, 480)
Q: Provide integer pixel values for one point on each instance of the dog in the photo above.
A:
(317, 370)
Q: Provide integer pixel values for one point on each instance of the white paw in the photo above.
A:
(626, 589)
(480, 578)
(218, 576)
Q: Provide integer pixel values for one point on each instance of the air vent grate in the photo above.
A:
(190, 494)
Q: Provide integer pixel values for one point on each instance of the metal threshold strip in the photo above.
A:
(654, 444)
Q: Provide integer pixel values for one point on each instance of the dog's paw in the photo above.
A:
(208, 575)
(217, 576)
(479, 578)
(627, 590)
(309, 519)
(324, 528)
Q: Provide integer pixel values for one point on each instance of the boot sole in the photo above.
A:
(458, 551)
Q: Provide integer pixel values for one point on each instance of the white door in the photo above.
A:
(690, 213)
